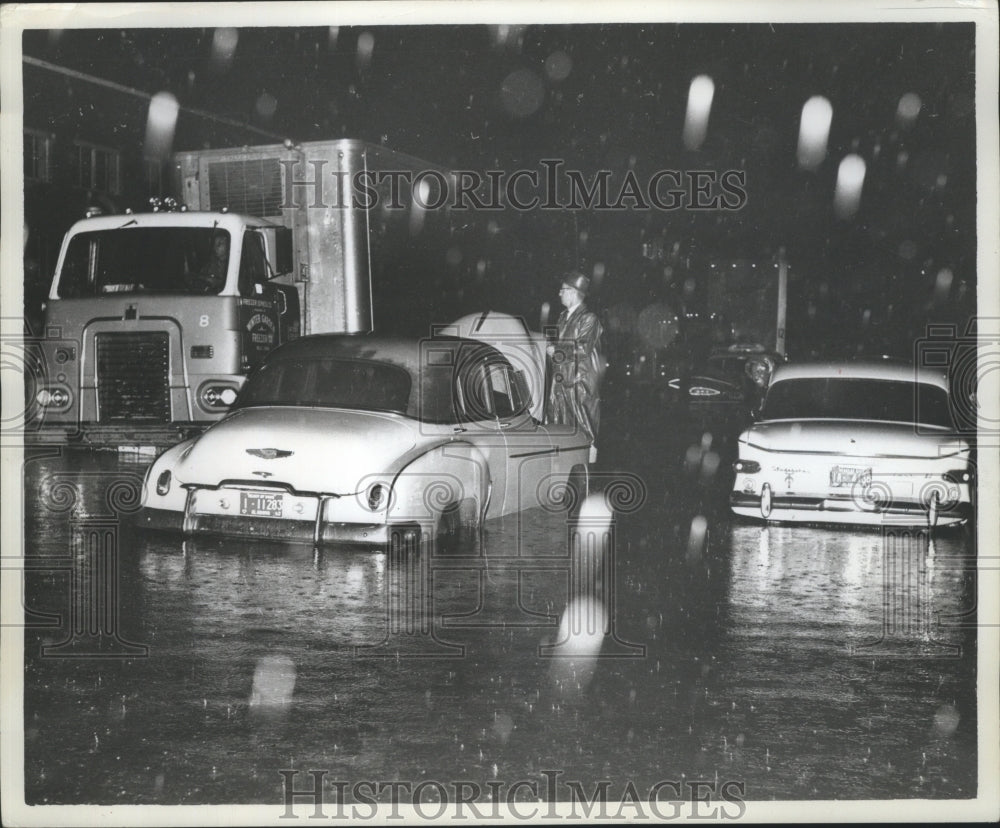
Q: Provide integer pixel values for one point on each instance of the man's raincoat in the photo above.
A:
(577, 366)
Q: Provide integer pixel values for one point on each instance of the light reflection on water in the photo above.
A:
(839, 644)
(780, 657)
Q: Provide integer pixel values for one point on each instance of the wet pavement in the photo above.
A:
(792, 662)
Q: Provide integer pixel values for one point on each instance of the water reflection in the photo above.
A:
(803, 662)
(867, 586)
(836, 647)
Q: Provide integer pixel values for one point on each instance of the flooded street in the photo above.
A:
(791, 662)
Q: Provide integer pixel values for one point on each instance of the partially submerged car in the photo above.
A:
(357, 438)
(854, 442)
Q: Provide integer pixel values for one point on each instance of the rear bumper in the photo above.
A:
(278, 529)
(846, 510)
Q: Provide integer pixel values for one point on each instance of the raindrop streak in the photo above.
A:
(850, 178)
(598, 273)
(814, 132)
(160, 124)
(579, 640)
(696, 538)
(908, 109)
(224, 43)
(366, 46)
(942, 285)
(421, 197)
(698, 109)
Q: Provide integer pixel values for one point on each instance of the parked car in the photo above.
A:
(735, 375)
(854, 442)
(355, 438)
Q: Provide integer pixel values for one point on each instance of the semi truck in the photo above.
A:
(327, 236)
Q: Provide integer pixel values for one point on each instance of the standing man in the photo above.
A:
(212, 276)
(576, 362)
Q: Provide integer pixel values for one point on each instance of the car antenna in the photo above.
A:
(482, 321)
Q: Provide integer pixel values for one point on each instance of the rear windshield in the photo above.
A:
(329, 383)
(857, 399)
(187, 260)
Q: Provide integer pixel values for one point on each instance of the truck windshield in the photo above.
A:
(188, 260)
(857, 399)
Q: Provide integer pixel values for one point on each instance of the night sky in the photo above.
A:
(614, 97)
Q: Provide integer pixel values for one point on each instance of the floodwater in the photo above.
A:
(792, 662)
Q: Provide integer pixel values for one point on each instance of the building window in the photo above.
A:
(98, 168)
(37, 147)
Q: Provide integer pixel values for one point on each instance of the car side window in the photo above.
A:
(491, 389)
(475, 392)
(520, 392)
(253, 264)
(500, 390)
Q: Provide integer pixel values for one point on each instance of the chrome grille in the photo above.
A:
(133, 377)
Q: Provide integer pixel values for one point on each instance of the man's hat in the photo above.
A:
(577, 280)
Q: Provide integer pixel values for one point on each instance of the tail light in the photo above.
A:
(377, 497)
(958, 476)
(746, 467)
(163, 482)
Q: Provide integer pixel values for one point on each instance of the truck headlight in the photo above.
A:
(216, 396)
(54, 397)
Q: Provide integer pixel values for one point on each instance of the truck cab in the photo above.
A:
(155, 318)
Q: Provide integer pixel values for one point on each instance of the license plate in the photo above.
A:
(849, 475)
(256, 504)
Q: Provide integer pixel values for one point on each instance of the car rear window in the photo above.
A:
(843, 398)
(329, 383)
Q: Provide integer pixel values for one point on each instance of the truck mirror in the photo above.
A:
(283, 251)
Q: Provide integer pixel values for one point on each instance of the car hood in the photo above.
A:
(311, 449)
(853, 437)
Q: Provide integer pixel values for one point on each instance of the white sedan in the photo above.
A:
(854, 442)
(360, 438)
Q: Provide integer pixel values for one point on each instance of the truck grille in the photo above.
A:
(133, 377)
(249, 186)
